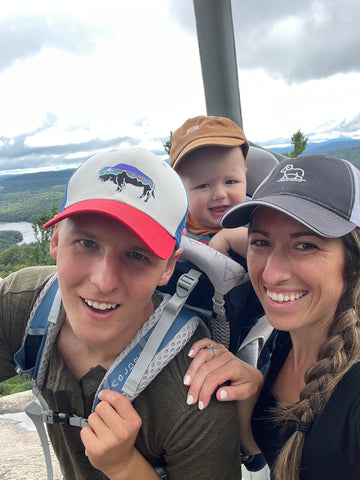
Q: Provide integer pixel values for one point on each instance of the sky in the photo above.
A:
(80, 76)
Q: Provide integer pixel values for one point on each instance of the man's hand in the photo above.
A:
(109, 440)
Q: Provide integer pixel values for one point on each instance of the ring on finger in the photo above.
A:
(212, 348)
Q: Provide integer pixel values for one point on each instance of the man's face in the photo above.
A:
(107, 277)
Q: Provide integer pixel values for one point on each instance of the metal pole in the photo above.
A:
(216, 40)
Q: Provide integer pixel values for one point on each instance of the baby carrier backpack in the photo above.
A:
(223, 297)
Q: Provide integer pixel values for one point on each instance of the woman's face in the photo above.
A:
(297, 275)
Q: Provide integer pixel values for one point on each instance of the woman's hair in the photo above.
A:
(336, 356)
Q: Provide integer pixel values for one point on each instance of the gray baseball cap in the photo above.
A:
(319, 191)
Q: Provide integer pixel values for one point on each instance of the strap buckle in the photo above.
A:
(51, 417)
(187, 282)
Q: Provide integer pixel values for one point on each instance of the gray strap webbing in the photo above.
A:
(33, 411)
(254, 341)
(219, 305)
(185, 286)
(55, 308)
(39, 417)
(261, 331)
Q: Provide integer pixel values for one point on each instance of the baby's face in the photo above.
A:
(215, 180)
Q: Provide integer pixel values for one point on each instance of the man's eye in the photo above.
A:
(87, 243)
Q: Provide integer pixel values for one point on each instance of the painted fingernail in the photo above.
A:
(201, 405)
(187, 380)
(191, 351)
(190, 400)
(223, 394)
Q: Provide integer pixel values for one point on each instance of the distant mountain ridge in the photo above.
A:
(344, 147)
(23, 197)
(26, 196)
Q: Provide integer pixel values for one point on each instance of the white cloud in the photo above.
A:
(58, 136)
(271, 108)
(80, 75)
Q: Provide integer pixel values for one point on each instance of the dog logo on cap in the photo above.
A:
(291, 174)
(123, 174)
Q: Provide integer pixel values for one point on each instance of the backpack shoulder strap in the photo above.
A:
(175, 322)
(29, 357)
(254, 342)
(223, 272)
(44, 313)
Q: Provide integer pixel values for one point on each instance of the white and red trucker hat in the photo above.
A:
(319, 191)
(134, 187)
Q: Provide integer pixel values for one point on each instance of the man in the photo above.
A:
(116, 239)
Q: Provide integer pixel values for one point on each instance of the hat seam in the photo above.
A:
(324, 205)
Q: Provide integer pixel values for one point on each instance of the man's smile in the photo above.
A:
(100, 306)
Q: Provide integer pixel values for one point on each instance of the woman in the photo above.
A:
(304, 262)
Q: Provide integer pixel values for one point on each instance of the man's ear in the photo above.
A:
(170, 267)
(54, 242)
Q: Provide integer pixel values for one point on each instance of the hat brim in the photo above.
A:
(315, 217)
(208, 142)
(153, 235)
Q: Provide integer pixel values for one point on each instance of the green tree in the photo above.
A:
(167, 145)
(299, 142)
(14, 258)
(41, 255)
(8, 238)
(20, 256)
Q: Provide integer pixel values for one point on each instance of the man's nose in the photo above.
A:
(106, 274)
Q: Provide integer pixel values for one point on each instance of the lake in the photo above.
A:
(24, 227)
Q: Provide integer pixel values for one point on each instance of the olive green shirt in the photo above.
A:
(189, 443)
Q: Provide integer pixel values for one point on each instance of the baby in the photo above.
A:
(209, 155)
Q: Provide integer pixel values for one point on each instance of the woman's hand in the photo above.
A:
(109, 440)
(214, 366)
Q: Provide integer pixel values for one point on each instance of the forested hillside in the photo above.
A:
(25, 197)
(8, 238)
(352, 154)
